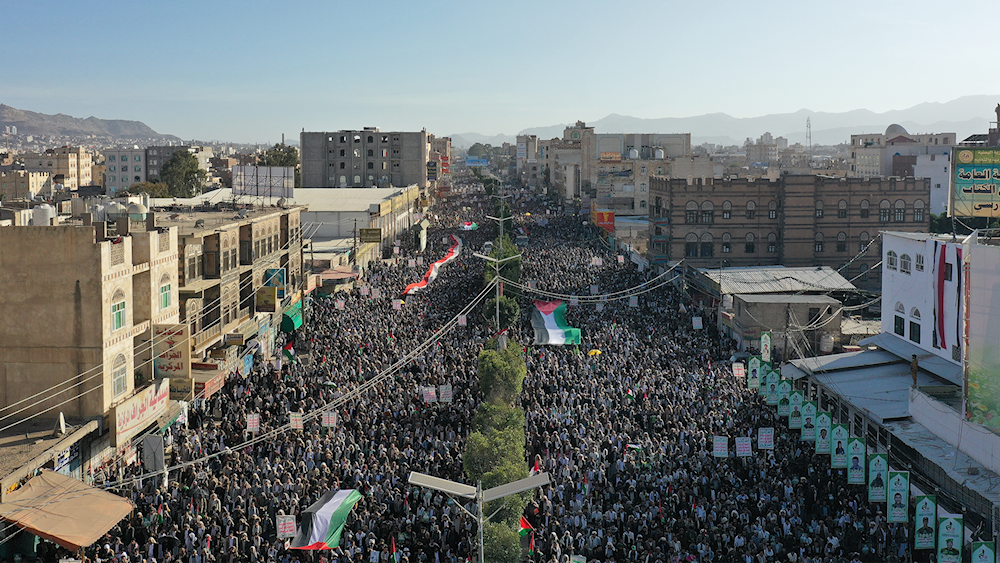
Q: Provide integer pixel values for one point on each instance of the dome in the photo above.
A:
(137, 208)
(895, 130)
(114, 210)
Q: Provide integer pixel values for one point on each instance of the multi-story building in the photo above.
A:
(366, 158)
(122, 168)
(529, 168)
(69, 166)
(797, 220)
(157, 156)
(765, 151)
(900, 154)
(21, 184)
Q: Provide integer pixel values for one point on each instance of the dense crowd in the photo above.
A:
(625, 434)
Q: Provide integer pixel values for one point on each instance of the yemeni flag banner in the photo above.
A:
(549, 321)
(432, 272)
(323, 522)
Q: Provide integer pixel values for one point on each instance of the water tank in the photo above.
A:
(633, 154)
(826, 343)
(137, 212)
(658, 154)
(42, 215)
(114, 210)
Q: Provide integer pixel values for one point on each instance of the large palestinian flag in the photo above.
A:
(323, 522)
(453, 252)
(549, 321)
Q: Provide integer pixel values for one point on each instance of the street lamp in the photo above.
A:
(496, 265)
(478, 494)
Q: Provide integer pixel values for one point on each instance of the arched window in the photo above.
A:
(371, 152)
(691, 246)
(842, 209)
(751, 208)
(165, 294)
(727, 243)
(884, 211)
(899, 211)
(357, 180)
(749, 247)
(371, 139)
(899, 320)
(918, 210)
(343, 180)
(904, 263)
(864, 208)
(707, 212)
(371, 166)
(691, 212)
(890, 260)
(863, 268)
(707, 248)
(772, 243)
(818, 243)
(119, 375)
(118, 312)
(900, 309)
(841, 242)
(819, 209)
(915, 325)
(915, 313)
(863, 241)
(772, 209)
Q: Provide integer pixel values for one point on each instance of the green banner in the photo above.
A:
(824, 423)
(878, 476)
(925, 519)
(795, 410)
(856, 453)
(754, 373)
(984, 552)
(808, 421)
(839, 435)
(950, 539)
(772, 388)
(975, 184)
(784, 390)
(899, 497)
(765, 347)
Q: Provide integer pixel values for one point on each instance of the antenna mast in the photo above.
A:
(809, 139)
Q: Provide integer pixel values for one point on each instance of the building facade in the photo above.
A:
(68, 166)
(123, 168)
(364, 159)
(21, 184)
(798, 220)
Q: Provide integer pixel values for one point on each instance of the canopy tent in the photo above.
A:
(292, 319)
(64, 510)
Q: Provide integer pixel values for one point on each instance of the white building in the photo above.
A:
(122, 168)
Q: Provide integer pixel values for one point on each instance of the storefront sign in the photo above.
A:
(138, 412)
(172, 347)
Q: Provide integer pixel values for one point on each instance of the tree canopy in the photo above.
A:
(153, 189)
(182, 175)
(279, 155)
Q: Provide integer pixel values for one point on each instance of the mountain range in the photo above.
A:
(964, 116)
(33, 123)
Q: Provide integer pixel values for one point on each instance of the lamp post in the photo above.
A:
(477, 494)
(496, 266)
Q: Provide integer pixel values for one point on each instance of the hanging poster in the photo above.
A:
(765, 438)
(795, 410)
(720, 446)
(429, 394)
(765, 347)
(285, 524)
(411, 263)
(983, 552)
(823, 427)
(839, 435)
(925, 519)
(784, 391)
(376, 293)
(772, 388)
(950, 540)
(329, 419)
(754, 373)
(364, 290)
(856, 452)
(744, 446)
(899, 496)
(462, 320)
(878, 476)
(808, 421)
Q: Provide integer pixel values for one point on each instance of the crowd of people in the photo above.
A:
(625, 434)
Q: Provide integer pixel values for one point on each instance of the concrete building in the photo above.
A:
(21, 184)
(122, 168)
(799, 324)
(530, 170)
(157, 156)
(68, 166)
(364, 159)
(797, 220)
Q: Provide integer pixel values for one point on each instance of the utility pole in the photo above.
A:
(355, 253)
(788, 317)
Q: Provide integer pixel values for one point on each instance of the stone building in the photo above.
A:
(364, 159)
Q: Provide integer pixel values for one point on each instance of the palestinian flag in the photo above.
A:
(630, 394)
(636, 447)
(468, 226)
(531, 546)
(549, 321)
(525, 528)
(323, 522)
(288, 351)
(393, 552)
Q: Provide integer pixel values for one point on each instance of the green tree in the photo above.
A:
(501, 374)
(484, 452)
(479, 150)
(509, 312)
(182, 174)
(502, 543)
(153, 189)
(508, 509)
(282, 155)
(509, 270)
(496, 416)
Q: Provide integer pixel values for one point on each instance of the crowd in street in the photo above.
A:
(626, 434)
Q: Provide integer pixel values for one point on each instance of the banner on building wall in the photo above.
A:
(856, 460)
(950, 540)
(975, 182)
(925, 520)
(795, 410)
(172, 348)
(878, 476)
(808, 421)
(983, 389)
(839, 435)
(784, 391)
(898, 497)
(823, 428)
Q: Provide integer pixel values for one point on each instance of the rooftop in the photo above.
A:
(786, 298)
(30, 439)
(776, 279)
(342, 199)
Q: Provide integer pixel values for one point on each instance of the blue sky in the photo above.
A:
(250, 71)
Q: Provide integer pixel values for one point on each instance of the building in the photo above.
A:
(900, 154)
(765, 151)
(69, 167)
(123, 168)
(364, 159)
(21, 184)
(797, 220)
(798, 323)
(529, 170)
(157, 156)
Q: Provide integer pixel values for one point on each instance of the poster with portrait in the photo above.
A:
(765, 347)
(839, 435)
(878, 476)
(984, 552)
(925, 520)
(824, 424)
(771, 396)
(784, 391)
(795, 410)
(898, 497)
(856, 461)
(950, 539)
(754, 373)
(808, 421)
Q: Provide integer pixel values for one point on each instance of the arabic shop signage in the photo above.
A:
(172, 346)
(975, 182)
(138, 412)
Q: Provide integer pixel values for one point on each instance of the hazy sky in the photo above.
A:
(249, 71)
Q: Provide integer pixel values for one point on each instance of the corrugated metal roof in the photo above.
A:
(881, 391)
(778, 279)
(905, 351)
(786, 298)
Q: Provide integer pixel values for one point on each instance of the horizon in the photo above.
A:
(249, 76)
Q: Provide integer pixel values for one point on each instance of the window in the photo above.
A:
(920, 262)
(118, 310)
(371, 139)
(111, 159)
(371, 152)
(863, 241)
(727, 243)
(883, 211)
(371, 166)
(915, 331)
(119, 373)
(772, 243)
(842, 209)
(818, 243)
(691, 246)
(819, 209)
(749, 247)
(112, 168)
(385, 138)
(343, 165)
(164, 292)
(707, 213)
(947, 271)
(899, 323)
(707, 246)
(751, 208)
(864, 209)
(642, 170)
(343, 152)
(918, 210)
(899, 211)
(691, 212)
(904, 264)
(841, 242)
(772, 210)
(727, 210)
(642, 204)
(890, 260)
(357, 153)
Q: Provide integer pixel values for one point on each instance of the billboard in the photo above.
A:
(611, 157)
(371, 235)
(469, 161)
(140, 410)
(981, 301)
(522, 151)
(267, 300)
(264, 181)
(975, 182)
(277, 278)
(604, 220)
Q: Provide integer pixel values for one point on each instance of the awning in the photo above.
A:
(174, 411)
(76, 515)
(338, 273)
(292, 319)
